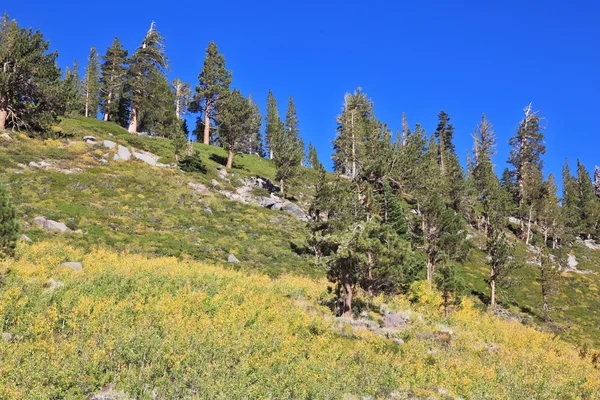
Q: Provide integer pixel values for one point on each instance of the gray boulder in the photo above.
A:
(293, 209)
(199, 188)
(268, 202)
(50, 225)
(277, 206)
(76, 266)
(123, 153)
(393, 320)
(215, 183)
(232, 259)
(5, 136)
(109, 143)
(52, 285)
(89, 139)
(7, 337)
(147, 157)
(25, 238)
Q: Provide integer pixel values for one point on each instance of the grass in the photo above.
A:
(169, 328)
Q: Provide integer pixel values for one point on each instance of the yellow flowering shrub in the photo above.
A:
(165, 328)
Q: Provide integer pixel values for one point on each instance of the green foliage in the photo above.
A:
(313, 158)
(234, 118)
(113, 71)
(287, 149)
(549, 280)
(91, 86)
(214, 81)
(192, 164)
(29, 86)
(179, 137)
(71, 92)
(274, 126)
(9, 225)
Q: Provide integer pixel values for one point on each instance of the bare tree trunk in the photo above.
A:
(108, 102)
(430, 268)
(370, 273)
(229, 158)
(3, 116)
(529, 224)
(281, 189)
(207, 124)
(347, 309)
(105, 118)
(133, 121)
(87, 102)
(270, 153)
(493, 292)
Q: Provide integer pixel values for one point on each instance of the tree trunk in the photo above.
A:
(207, 124)
(370, 274)
(3, 116)
(87, 103)
(133, 121)
(281, 189)
(492, 292)
(430, 267)
(529, 224)
(270, 153)
(229, 159)
(347, 308)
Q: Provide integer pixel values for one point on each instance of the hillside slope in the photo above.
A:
(162, 328)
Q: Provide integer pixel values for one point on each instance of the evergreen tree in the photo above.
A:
(274, 126)
(214, 81)
(550, 219)
(91, 85)
(179, 138)
(112, 77)
(287, 150)
(444, 133)
(409, 173)
(152, 104)
(587, 203)
(183, 96)
(9, 225)
(525, 157)
(501, 261)
(253, 141)
(29, 78)
(234, 117)
(71, 91)
(355, 125)
(569, 203)
(484, 140)
(313, 158)
(450, 284)
(549, 280)
(450, 168)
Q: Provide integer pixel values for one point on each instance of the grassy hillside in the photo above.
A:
(163, 328)
(150, 210)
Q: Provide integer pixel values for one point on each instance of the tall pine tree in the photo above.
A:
(112, 77)
(91, 85)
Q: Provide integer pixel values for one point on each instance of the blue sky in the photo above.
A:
(466, 57)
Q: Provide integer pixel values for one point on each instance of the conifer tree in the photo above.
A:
(569, 203)
(183, 96)
(525, 157)
(253, 141)
(179, 137)
(71, 91)
(444, 133)
(501, 261)
(112, 77)
(484, 140)
(274, 126)
(549, 280)
(587, 202)
(450, 284)
(30, 78)
(9, 225)
(409, 173)
(313, 158)
(214, 81)
(450, 168)
(287, 149)
(91, 85)
(234, 118)
(152, 106)
(550, 219)
(355, 125)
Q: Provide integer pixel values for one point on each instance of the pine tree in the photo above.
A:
(287, 149)
(484, 140)
(587, 203)
(179, 138)
(214, 81)
(274, 126)
(313, 158)
(91, 85)
(450, 168)
(253, 141)
(9, 225)
(501, 261)
(549, 280)
(112, 77)
(569, 203)
(525, 157)
(234, 116)
(444, 133)
(450, 284)
(71, 91)
(550, 218)
(409, 173)
(152, 104)
(355, 125)
(29, 78)
(183, 96)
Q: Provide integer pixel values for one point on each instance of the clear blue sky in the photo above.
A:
(467, 57)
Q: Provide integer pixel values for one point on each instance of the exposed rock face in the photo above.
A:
(572, 261)
(199, 188)
(76, 266)
(232, 259)
(50, 225)
(25, 238)
(147, 157)
(123, 154)
(109, 143)
(393, 320)
(293, 209)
